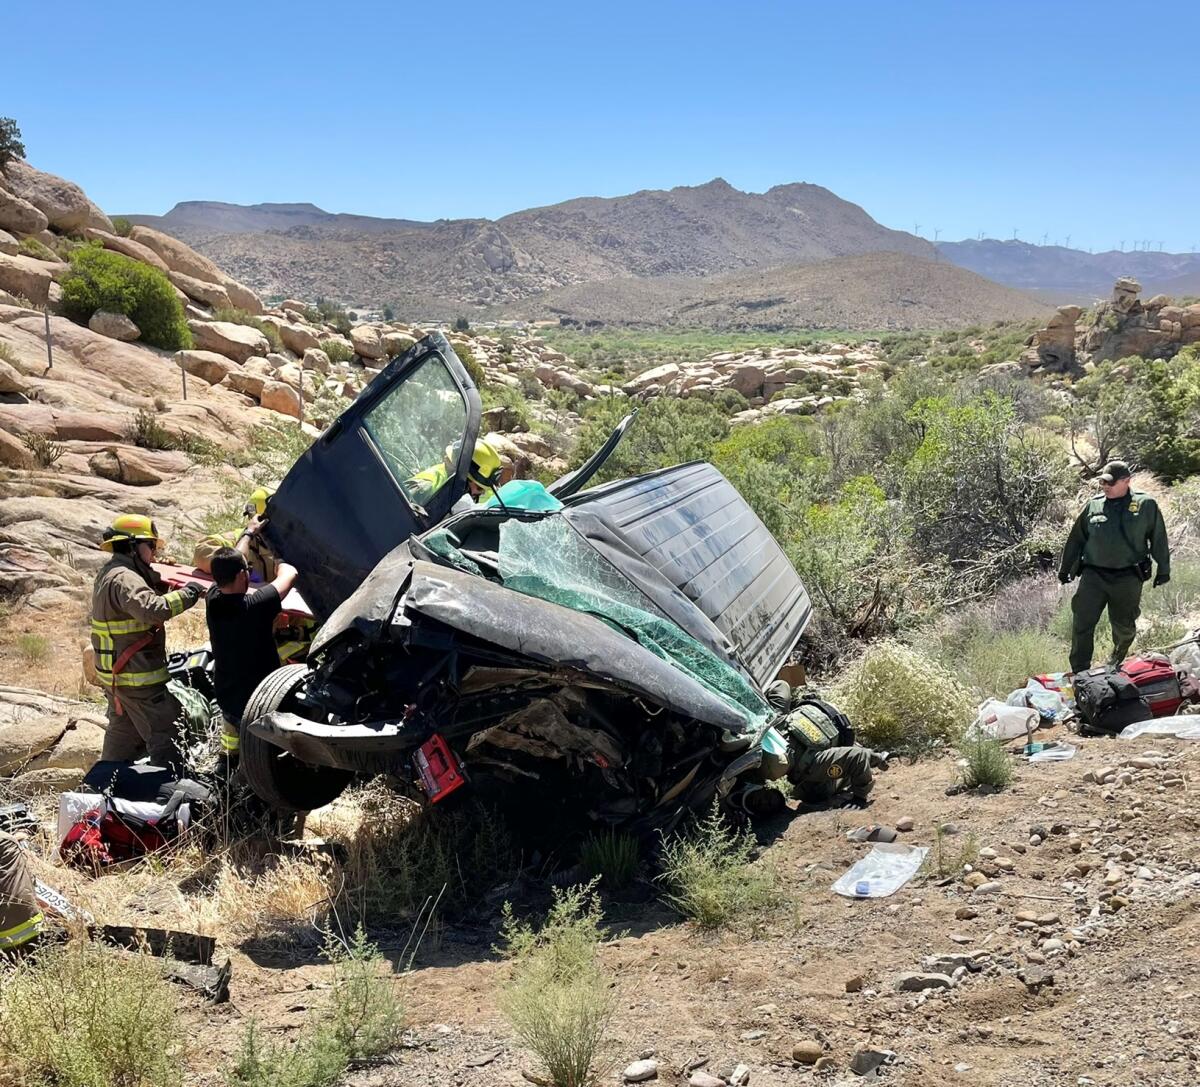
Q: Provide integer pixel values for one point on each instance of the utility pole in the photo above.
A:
(981, 239)
(1044, 237)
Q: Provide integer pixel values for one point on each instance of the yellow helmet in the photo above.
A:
(485, 465)
(256, 506)
(130, 527)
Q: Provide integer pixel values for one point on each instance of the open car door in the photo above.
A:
(391, 465)
(565, 486)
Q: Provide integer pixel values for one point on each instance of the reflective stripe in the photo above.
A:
(228, 743)
(120, 626)
(134, 679)
(175, 601)
(287, 650)
(22, 933)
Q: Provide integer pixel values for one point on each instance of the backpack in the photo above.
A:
(1155, 676)
(120, 829)
(809, 729)
(1107, 701)
(822, 712)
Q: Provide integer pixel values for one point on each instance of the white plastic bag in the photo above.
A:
(1059, 752)
(882, 872)
(1181, 726)
(1186, 658)
(998, 720)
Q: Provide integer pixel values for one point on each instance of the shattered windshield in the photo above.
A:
(548, 559)
(418, 429)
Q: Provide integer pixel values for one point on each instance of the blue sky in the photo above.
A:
(1061, 119)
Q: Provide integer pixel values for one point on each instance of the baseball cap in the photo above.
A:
(1114, 470)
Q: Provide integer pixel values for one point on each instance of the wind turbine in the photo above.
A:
(917, 229)
(1014, 233)
(1122, 245)
(937, 230)
(1068, 245)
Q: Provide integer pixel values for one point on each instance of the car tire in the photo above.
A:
(278, 778)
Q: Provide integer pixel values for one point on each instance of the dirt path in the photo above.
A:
(1108, 998)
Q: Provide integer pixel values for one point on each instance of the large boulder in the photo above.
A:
(26, 277)
(211, 294)
(238, 342)
(297, 338)
(245, 382)
(368, 344)
(209, 366)
(64, 203)
(280, 397)
(18, 215)
(316, 359)
(14, 453)
(242, 296)
(137, 467)
(126, 247)
(396, 343)
(24, 738)
(8, 244)
(178, 257)
(116, 326)
(11, 380)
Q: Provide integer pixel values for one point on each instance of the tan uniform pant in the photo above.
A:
(147, 723)
(20, 914)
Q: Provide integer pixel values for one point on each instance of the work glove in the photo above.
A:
(191, 592)
(879, 760)
(859, 802)
(1065, 578)
(1161, 579)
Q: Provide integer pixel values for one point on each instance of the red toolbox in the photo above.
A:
(1155, 676)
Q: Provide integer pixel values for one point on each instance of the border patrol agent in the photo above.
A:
(130, 604)
(1109, 549)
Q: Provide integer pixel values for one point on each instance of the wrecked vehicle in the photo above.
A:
(608, 654)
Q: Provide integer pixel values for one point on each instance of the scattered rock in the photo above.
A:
(916, 983)
(116, 326)
(905, 823)
(855, 984)
(705, 1079)
(865, 1060)
(808, 1051)
(740, 1076)
(966, 913)
(640, 1071)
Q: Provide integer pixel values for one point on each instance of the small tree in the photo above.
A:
(11, 146)
(461, 324)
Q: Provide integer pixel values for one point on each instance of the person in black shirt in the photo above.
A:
(240, 625)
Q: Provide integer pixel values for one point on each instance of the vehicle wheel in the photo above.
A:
(282, 780)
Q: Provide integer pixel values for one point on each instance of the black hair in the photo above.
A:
(226, 564)
(124, 547)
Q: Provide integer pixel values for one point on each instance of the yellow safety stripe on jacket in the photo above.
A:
(22, 933)
(229, 743)
(287, 650)
(132, 679)
(103, 633)
(176, 601)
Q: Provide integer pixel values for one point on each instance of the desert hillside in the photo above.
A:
(871, 291)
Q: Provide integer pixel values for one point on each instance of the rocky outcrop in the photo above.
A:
(18, 215)
(1125, 325)
(116, 326)
(237, 342)
(127, 247)
(1052, 348)
(27, 278)
(64, 204)
(210, 294)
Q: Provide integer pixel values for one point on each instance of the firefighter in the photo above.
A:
(259, 556)
(483, 475)
(20, 915)
(130, 604)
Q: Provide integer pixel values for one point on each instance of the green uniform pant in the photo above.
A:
(819, 776)
(1121, 592)
(146, 723)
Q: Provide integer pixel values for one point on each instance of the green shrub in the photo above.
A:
(461, 324)
(122, 226)
(82, 1015)
(467, 357)
(611, 856)
(987, 764)
(900, 700)
(33, 647)
(100, 280)
(45, 450)
(146, 432)
(337, 351)
(364, 1019)
(558, 998)
(31, 247)
(708, 875)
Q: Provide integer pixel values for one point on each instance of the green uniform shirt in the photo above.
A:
(1117, 533)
